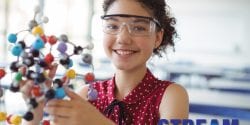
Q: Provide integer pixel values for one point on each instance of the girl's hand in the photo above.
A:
(75, 111)
(26, 86)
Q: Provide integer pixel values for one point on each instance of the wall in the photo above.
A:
(213, 31)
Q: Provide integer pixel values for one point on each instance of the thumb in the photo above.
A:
(71, 94)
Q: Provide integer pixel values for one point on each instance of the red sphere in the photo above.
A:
(89, 77)
(2, 73)
(49, 58)
(46, 122)
(52, 40)
(36, 91)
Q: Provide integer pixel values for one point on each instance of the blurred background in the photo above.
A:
(211, 60)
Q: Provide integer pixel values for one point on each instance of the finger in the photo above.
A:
(26, 82)
(22, 83)
(71, 94)
(59, 103)
(59, 120)
(22, 69)
(52, 72)
(58, 111)
(25, 88)
(51, 75)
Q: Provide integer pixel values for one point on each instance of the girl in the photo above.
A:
(133, 31)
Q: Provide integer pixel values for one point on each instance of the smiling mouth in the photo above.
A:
(124, 52)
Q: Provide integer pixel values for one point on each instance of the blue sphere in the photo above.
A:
(17, 50)
(38, 44)
(60, 93)
(12, 38)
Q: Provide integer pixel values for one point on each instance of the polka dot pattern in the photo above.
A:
(141, 104)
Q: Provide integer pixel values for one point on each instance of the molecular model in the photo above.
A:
(33, 63)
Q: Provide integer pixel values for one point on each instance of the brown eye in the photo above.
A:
(111, 27)
(139, 28)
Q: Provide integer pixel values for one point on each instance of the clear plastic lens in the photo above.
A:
(136, 27)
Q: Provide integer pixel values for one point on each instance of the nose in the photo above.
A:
(123, 37)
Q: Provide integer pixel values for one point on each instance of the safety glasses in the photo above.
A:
(136, 25)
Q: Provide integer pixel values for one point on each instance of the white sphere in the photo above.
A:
(37, 9)
(45, 19)
(90, 46)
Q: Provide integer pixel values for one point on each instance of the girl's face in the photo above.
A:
(132, 46)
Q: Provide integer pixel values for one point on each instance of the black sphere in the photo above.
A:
(28, 116)
(50, 94)
(33, 102)
(14, 66)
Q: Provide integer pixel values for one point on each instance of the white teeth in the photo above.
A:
(124, 52)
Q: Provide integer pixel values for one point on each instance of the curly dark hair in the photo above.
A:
(160, 11)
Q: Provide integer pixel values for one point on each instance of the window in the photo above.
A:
(69, 17)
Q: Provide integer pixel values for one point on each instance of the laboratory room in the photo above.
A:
(124, 62)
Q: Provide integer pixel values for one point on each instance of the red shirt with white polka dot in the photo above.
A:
(141, 105)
